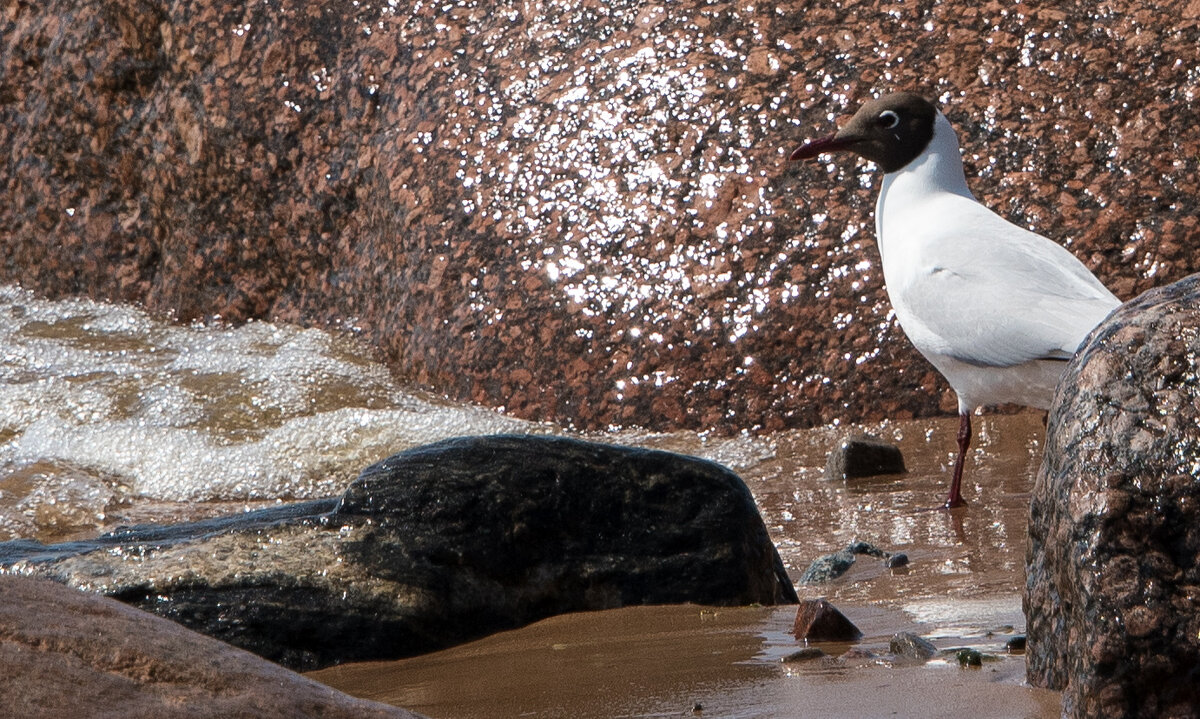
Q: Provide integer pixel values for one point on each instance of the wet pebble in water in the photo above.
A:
(832, 566)
(968, 657)
(906, 645)
(804, 655)
(861, 455)
(819, 621)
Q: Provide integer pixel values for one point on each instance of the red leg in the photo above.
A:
(964, 441)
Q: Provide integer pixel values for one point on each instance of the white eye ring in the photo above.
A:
(888, 119)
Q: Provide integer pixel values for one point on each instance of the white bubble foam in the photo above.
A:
(197, 413)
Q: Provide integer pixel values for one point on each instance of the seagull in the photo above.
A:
(997, 309)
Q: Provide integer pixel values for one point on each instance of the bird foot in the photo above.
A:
(954, 503)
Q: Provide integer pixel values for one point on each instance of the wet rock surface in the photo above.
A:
(69, 653)
(1113, 563)
(583, 211)
(909, 646)
(831, 566)
(806, 654)
(441, 544)
(861, 455)
(819, 621)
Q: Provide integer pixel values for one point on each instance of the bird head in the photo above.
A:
(890, 131)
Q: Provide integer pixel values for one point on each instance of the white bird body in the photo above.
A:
(997, 309)
(994, 307)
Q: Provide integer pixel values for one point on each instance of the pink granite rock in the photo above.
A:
(1112, 598)
(64, 653)
(576, 212)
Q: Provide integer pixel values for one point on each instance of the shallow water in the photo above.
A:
(664, 661)
(109, 416)
(961, 589)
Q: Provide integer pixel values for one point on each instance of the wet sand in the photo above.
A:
(962, 589)
(662, 661)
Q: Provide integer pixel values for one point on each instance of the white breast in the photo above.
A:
(978, 296)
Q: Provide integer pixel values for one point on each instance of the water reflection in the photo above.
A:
(977, 552)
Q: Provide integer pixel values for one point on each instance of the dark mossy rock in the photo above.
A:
(442, 544)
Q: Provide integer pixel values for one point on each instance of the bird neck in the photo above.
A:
(937, 170)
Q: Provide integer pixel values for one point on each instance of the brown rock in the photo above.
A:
(448, 174)
(68, 653)
(819, 621)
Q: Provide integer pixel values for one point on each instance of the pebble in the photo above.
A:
(861, 455)
(907, 645)
(819, 621)
(804, 655)
(831, 566)
(968, 657)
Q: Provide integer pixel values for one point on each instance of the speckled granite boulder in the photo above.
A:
(1113, 570)
(577, 211)
(439, 545)
(66, 653)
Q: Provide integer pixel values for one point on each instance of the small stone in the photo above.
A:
(858, 654)
(861, 455)
(860, 547)
(968, 657)
(828, 567)
(907, 645)
(804, 655)
(832, 566)
(819, 621)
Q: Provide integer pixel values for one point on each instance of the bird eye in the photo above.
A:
(888, 119)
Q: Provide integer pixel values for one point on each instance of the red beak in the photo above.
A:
(830, 143)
